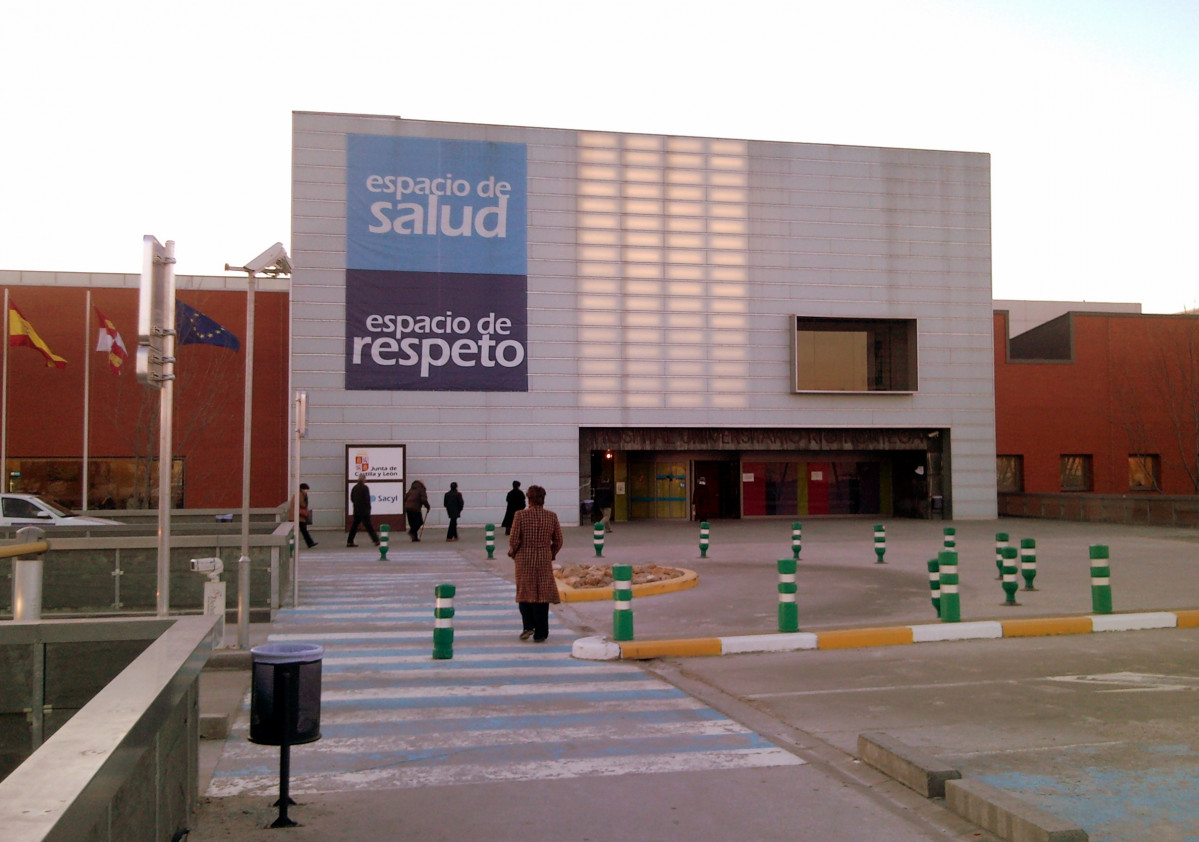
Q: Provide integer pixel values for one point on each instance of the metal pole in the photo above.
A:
(166, 414)
(87, 390)
(4, 401)
(243, 563)
(26, 590)
(300, 404)
(27, 574)
(288, 699)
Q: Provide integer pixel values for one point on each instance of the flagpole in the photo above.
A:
(87, 389)
(4, 402)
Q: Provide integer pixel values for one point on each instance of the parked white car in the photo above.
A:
(31, 510)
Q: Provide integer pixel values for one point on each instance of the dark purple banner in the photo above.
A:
(434, 331)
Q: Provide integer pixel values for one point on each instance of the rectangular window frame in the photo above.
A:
(885, 363)
(1076, 473)
(113, 482)
(1142, 466)
(1009, 473)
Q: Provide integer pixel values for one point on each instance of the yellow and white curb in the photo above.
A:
(603, 649)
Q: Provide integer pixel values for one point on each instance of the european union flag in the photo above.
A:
(194, 328)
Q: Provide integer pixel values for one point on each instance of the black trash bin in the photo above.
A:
(285, 693)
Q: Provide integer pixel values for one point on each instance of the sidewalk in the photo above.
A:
(841, 587)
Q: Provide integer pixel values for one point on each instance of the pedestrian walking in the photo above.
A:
(516, 502)
(304, 514)
(533, 544)
(604, 501)
(360, 504)
(453, 503)
(416, 506)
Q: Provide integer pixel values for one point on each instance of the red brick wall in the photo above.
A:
(1048, 409)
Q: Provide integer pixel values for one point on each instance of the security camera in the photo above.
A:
(212, 566)
(275, 258)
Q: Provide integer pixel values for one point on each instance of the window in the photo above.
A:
(1076, 473)
(114, 483)
(1010, 473)
(1144, 470)
(854, 355)
(14, 508)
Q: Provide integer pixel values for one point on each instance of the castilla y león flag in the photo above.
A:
(109, 340)
(21, 332)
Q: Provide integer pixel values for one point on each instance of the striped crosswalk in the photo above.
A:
(499, 710)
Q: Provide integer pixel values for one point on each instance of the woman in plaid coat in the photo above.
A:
(534, 542)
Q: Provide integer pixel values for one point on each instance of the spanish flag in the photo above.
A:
(21, 332)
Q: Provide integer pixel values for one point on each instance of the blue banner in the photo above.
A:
(436, 265)
(427, 205)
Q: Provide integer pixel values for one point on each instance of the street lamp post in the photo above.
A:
(273, 262)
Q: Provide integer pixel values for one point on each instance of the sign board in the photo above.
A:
(384, 467)
(155, 313)
(436, 265)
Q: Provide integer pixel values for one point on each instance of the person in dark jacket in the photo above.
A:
(453, 503)
(516, 502)
(533, 544)
(416, 505)
(360, 503)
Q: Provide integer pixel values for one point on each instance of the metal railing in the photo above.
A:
(144, 719)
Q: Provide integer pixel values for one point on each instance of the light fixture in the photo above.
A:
(273, 262)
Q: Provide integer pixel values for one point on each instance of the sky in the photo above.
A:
(173, 119)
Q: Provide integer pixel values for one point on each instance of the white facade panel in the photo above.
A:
(662, 275)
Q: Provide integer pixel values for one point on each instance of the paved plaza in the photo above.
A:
(509, 735)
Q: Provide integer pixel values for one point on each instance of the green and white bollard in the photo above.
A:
(1028, 562)
(489, 539)
(291, 544)
(597, 539)
(443, 623)
(951, 538)
(1001, 541)
(622, 602)
(1011, 582)
(934, 583)
(384, 541)
(703, 539)
(951, 601)
(880, 542)
(788, 610)
(1101, 580)
(796, 539)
